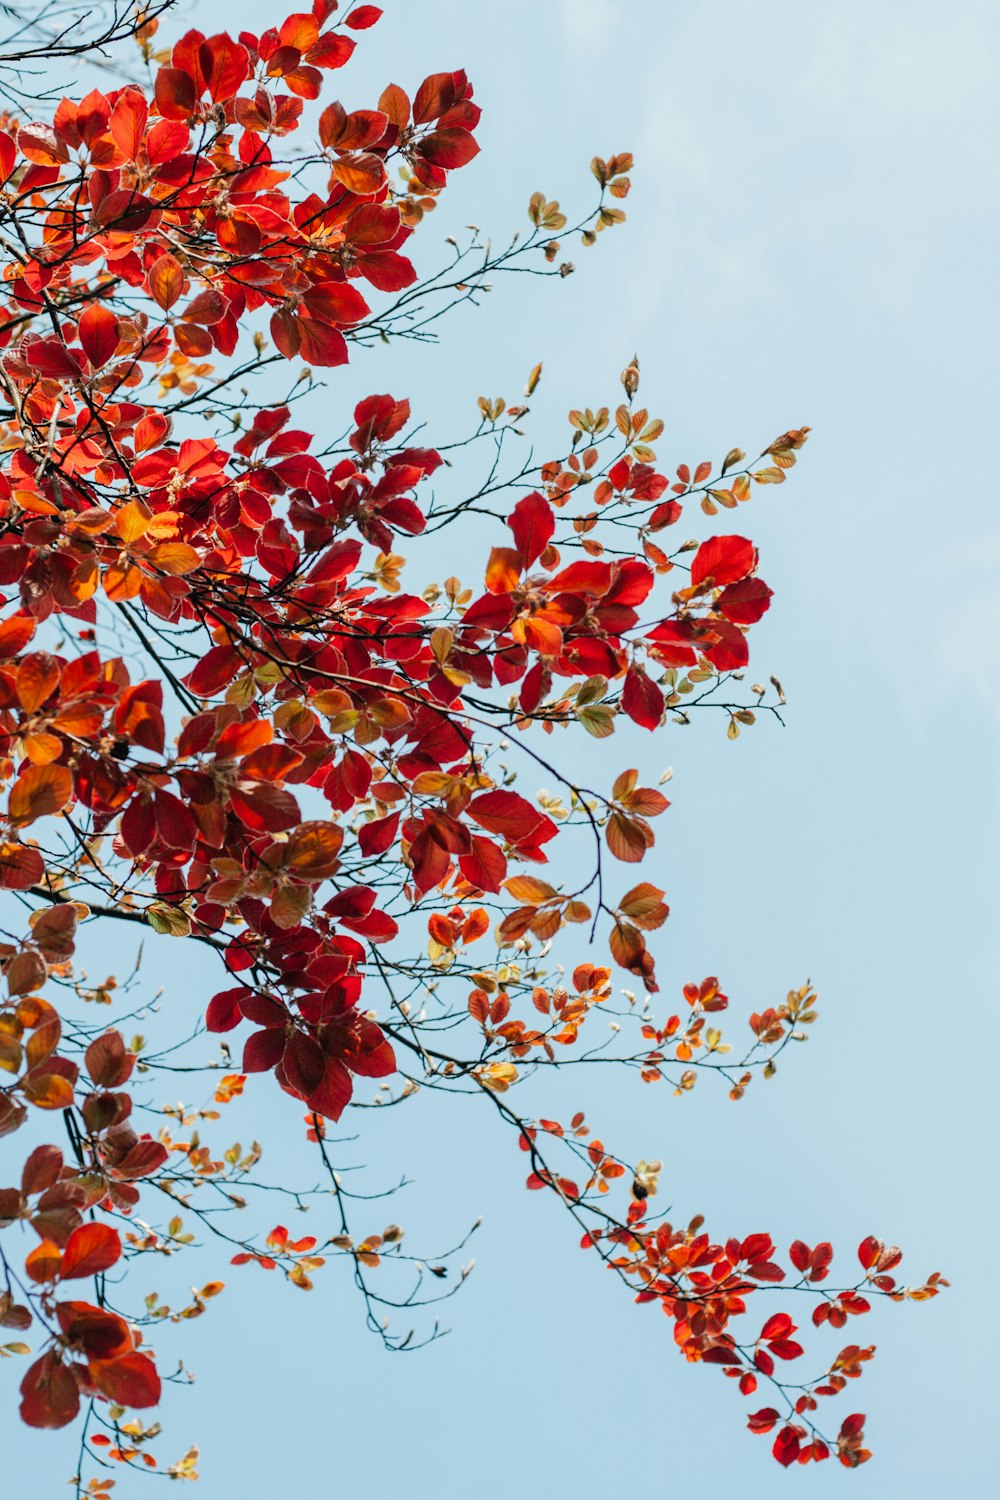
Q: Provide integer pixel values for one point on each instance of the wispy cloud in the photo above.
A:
(858, 139)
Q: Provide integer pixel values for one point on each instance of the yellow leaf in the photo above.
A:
(167, 920)
(38, 792)
(497, 1077)
(132, 521)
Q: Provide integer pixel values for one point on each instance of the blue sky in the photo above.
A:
(811, 240)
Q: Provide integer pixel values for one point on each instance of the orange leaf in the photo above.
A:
(122, 583)
(166, 281)
(628, 838)
(42, 749)
(312, 850)
(39, 791)
(503, 571)
(175, 558)
(37, 678)
(49, 1091)
(361, 172)
(128, 122)
(132, 521)
(44, 1262)
(475, 924)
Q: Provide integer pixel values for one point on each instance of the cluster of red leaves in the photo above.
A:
(313, 1054)
(702, 1286)
(195, 164)
(705, 1286)
(575, 619)
(329, 727)
(96, 1355)
(92, 1351)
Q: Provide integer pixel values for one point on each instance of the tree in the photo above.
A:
(230, 722)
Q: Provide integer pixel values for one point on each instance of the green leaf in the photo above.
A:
(597, 719)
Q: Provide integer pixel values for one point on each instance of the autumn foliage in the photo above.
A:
(227, 719)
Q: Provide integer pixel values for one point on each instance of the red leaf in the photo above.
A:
(728, 651)
(175, 823)
(786, 1446)
(165, 280)
(109, 1063)
(743, 603)
(667, 514)
(434, 97)
(786, 1349)
(362, 17)
(335, 302)
(285, 332)
(8, 155)
(15, 633)
(41, 145)
(799, 1255)
(333, 1095)
(492, 611)
(331, 50)
(449, 148)
(512, 817)
(143, 1159)
(532, 523)
(224, 1012)
(138, 825)
(763, 1420)
(131, 1380)
(51, 358)
(766, 1271)
(38, 792)
(321, 343)
(302, 1063)
(175, 94)
(98, 330)
(777, 1326)
(868, 1251)
(41, 1169)
(299, 31)
(375, 1057)
(89, 1250)
(723, 559)
(263, 1051)
(485, 867)
(378, 836)
(49, 1394)
(721, 1354)
(225, 64)
(214, 672)
(97, 1333)
(361, 172)
(592, 578)
(642, 699)
(20, 867)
